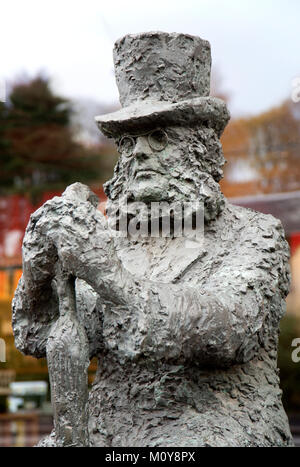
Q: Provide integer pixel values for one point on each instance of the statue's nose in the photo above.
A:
(142, 149)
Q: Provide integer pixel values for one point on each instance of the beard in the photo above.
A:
(196, 191)
(193, 180)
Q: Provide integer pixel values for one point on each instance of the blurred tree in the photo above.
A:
(38, 151)
(275, 147)
(265, 149)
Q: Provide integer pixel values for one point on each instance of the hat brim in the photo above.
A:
(210, 111)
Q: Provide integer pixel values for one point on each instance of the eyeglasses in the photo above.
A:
(157, 140)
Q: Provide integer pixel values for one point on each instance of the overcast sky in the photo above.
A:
(255, 43)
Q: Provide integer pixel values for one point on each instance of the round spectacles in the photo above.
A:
(157, 140)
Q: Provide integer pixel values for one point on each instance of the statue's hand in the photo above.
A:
(72, 230)
(83, 241)
(69, 230)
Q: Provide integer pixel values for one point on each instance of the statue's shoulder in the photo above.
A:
(246, 219)
(259, 239)
(255, 230)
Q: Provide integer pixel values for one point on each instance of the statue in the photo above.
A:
(185, 333)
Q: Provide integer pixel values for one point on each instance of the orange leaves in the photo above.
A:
(270, 144)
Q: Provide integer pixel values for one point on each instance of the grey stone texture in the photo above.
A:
(186, 338)
(163, 77)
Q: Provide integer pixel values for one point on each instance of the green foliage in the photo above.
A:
(38, 152)
(289, 371)
(33, 103)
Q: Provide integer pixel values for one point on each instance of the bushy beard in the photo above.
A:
(203, 193)
(196, 181)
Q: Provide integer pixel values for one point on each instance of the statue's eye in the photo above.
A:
(158, 140)
(126, 145)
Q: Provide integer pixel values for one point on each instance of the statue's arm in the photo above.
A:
(35, 305)
(234, 314)
(50, 236)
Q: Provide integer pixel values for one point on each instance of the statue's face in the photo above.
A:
(150, 160)
(172, 164)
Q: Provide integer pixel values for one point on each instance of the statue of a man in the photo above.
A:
(185, 333)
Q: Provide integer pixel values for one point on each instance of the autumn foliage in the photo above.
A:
(263, 152)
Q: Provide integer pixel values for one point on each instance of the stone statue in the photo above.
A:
(186, 335)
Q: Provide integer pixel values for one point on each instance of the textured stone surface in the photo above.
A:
(161, 67)
(186, 338)
(165, 76)
(211, 110)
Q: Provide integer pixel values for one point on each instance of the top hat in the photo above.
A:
(163, 77)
